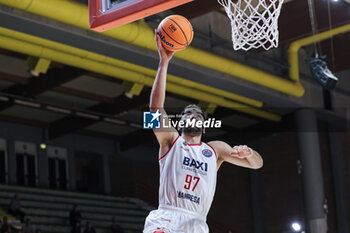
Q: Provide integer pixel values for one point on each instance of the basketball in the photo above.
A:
(175, 32)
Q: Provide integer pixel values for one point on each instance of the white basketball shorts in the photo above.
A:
(169, 219)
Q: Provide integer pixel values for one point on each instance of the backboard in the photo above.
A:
(108, 14)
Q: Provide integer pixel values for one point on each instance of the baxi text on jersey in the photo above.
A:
(188, 196)
(195, 164)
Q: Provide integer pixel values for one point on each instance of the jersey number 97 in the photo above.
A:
(191, 180)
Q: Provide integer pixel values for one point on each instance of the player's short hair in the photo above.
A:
(191, 107)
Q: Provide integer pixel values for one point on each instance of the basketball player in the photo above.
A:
(188, 166)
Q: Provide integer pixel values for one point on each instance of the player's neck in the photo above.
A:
(192, 138)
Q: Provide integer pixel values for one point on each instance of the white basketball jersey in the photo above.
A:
(188, 177)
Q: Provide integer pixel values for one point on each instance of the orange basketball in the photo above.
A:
(176, 32)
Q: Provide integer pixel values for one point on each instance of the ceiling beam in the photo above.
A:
(122, 103)
(73, 123)
(83, 94)
(13, 78)
(24, 121)
(87, 117)
(37, 85)
(61, 89)
(67, 125)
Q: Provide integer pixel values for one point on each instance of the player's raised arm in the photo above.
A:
(158, 90)
(164, 137)
(239, 155)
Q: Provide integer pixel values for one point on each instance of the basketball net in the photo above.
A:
(254, 22)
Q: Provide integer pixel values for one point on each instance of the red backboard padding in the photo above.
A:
(134, 11)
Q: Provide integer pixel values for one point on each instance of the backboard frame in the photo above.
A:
(102, 19)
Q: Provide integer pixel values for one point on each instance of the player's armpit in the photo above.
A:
(228, 154)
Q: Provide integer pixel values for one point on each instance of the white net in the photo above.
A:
(254, 22)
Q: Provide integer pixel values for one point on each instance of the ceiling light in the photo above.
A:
(296, 226)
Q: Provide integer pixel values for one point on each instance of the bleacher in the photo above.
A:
(49, 209)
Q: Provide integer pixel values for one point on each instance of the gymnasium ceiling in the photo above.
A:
(68, 99)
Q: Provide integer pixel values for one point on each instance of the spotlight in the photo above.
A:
(322, 74)
(296, 226)
(43, 146)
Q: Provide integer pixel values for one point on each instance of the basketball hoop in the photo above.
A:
(254, 22)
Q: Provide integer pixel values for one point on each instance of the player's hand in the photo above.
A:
(241, 152)
(165, 55)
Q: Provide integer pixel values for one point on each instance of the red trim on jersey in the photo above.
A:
(213, 150)
(169, 148)
(195, 144)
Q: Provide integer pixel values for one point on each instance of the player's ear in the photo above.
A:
(203, 130)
